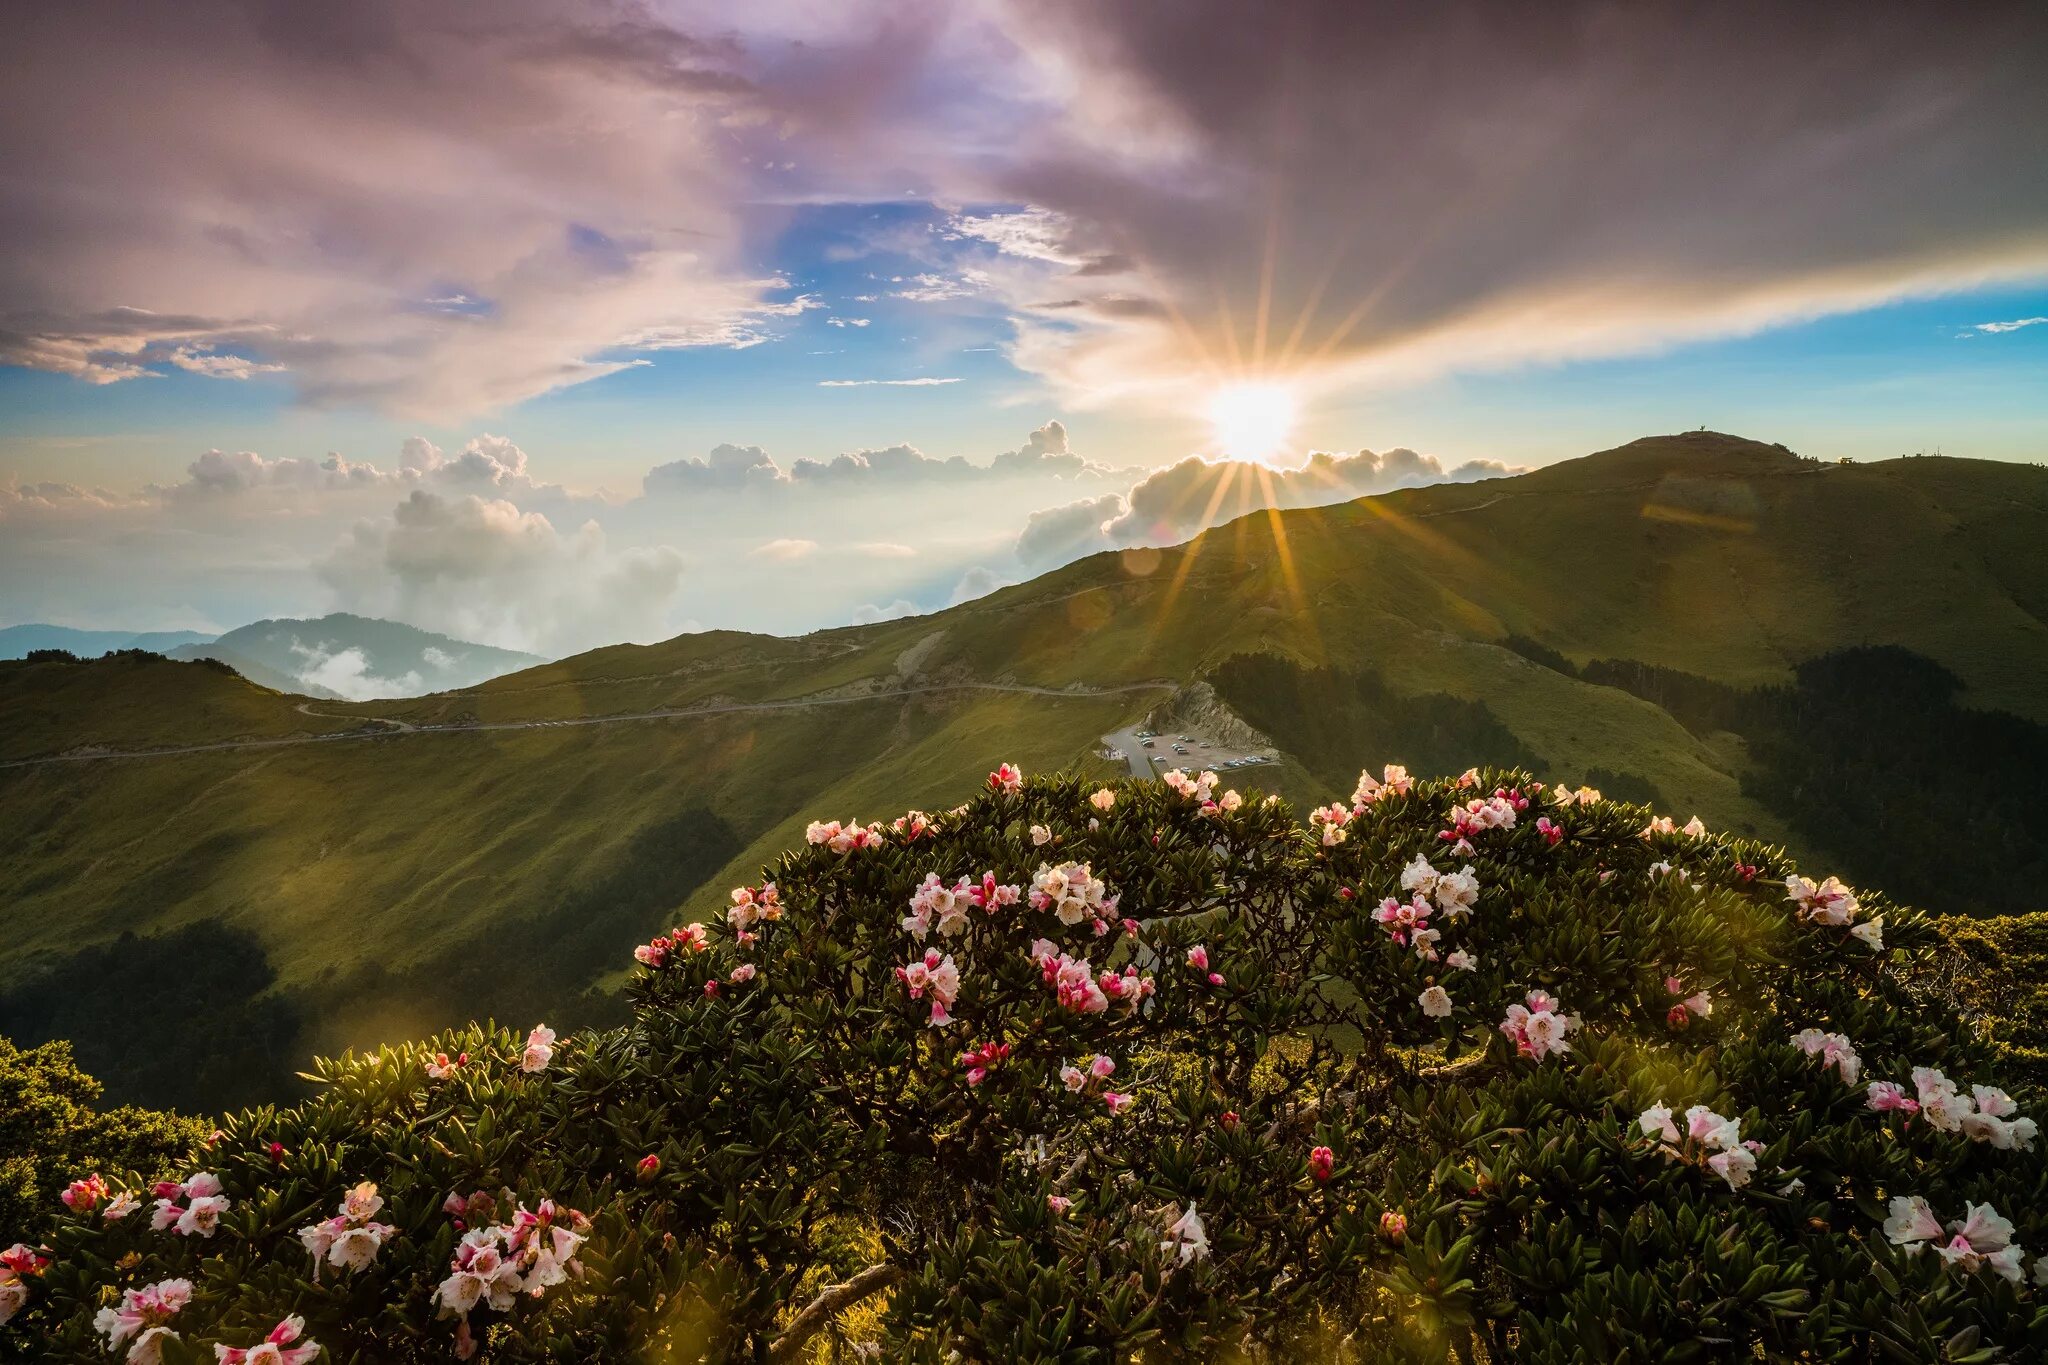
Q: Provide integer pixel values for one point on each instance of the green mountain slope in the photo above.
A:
(498, 847)
(17, 641)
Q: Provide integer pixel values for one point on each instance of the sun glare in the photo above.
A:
(1252, 421)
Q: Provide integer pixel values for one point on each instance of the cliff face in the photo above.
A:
(1197, 707)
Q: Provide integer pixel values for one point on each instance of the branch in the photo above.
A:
(831, 1300)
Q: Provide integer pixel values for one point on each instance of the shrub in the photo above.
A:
(1463, 1067)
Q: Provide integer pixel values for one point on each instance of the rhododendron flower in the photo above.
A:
(1477, 816)
(1419, 876)
(200, 1212)
(1705, 1126)
(1537, 1029)
(1394, 1226)
(1735, 1165)
(1231, 801)
(1117, 1103)
(1103, 799)
(275, 1349)
(1187, 1236)
(1659, 824)
(120, 1207)
(1040, 836)
(1833, 1049)
(1939, 1100)
(1331, 820)
(1058, 1203)
(1073, 1078)
(1888, 1095)
(690, 938)
(1321, 1161)
(1227, 1120)
(741, 974)
(1435, 1002)
(1981, 1239)
(441, 1068)
(1912, 1223)
(937, 976)
(1468, 778)
(1072, 892)
(750, 907)
(540, 1050)
(1584, 796)
(710, 989)
(22, 1259)
(1457, 892)
(979, 1061)
(646, 1168)
(1871, 932)
(1656, 1122)
(350, 1239)
(1552, 834)
(1008, 779)
(1829, 902)
(141, 1314)
(1694, 828)
(1461, 960)
(912, 824)
(83, 1196)
(1698, 1003)
(1403, 918)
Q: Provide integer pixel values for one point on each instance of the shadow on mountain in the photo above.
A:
(1327, 717)
(1868, 754)
(183, 1020)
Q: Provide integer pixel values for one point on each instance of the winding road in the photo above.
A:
(400, 727)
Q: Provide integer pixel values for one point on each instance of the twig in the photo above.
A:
(831, 1300)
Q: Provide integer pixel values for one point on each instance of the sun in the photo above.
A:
(1252, 421)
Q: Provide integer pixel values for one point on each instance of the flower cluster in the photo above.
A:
(1073, 893)
(1331, 822)
(841, 838)
(937, 905)
(192, 1208)
(351, 1239)
(493, 1264)
(1536, 1028)
(143, 1315)
(1198, 958)
(1708, 1136)
(1197, 788)
(1476, 816)
(1093, 1079)
(1835, 905)
(275, 1348)
(539, 1050)
(936, 975)
(1833, 1049)
(1079, 988)
(979, 1061)
(751, 906)
(1392, 781)
(18, 1264)
(1980, 1240)
(442, 1066)
(691, 938)
(1697, 1005)
(1987, 1114)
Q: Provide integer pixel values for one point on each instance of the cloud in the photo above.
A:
(481, 569)
(1172, 504)
(486, 463)
(347, 674)
(867, 614)
(885, 549)
(729, 466)
(1354, 195)
(846, 322)
(935, 288)
(432, 210)
(2013, 326)
(784, 551)
(899, 383)
(976, 582)
(1047, 452)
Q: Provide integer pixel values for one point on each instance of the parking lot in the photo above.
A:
(1150, 753)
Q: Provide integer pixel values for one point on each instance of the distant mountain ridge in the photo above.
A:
(17, 641)
(355, 658)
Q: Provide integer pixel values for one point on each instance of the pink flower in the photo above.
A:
(1537, 1029)
(1884, 1096)
(690, 938)
(1394, 1226)
(936, 975)
(741, 974)
(1552, 834)
(1331, 820)
(979, 1061)
(648, 1167)
(441, 1068)
(1829, 902)
(710, 989)
(1834, 1049)
(1656, 1122)
(1403, 918)
(142, 1314)
(1321, 1161)
(1072, 892)
(1117, 1103)
(1058, 1203)
(540, 1050)
(83, 1196)
(1103, 799)
(1198, 958)
(276, 1349)
(1007, 779)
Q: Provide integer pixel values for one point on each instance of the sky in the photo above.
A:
(550, 325)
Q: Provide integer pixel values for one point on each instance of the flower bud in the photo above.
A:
(1678, 1018)
(649, 1167)
(1394, 1226)
(1229, 1120)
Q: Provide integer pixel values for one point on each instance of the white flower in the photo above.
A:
(14, 1296)
(1656, 1122)
(1939, 1102)
(1457, 891)
(1436, 1002)
(1871, 931)
(540, 1050)
(1911, 1222)
(1735, 1165)
(1188, 1236)
(1694, 829)
(1040, 836)
(1462, 960)
(202, 1215)
(1419, 876)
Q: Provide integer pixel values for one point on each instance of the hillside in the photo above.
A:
(490, 848)
(357, 657)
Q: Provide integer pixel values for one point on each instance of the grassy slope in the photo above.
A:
(1719, 557)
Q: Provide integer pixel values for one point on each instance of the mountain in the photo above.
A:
(1813, 653)
(358, 657)
(17, 641)
(259, 674)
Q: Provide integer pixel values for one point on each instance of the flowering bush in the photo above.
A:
(1079, 1073)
